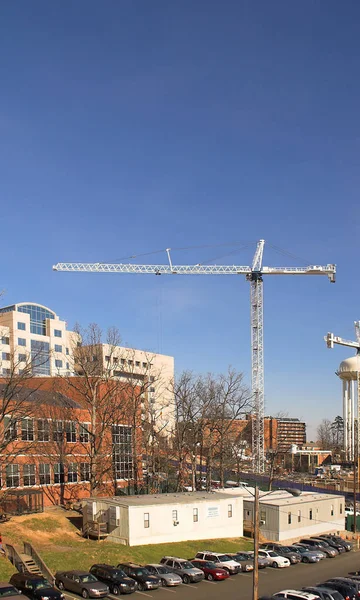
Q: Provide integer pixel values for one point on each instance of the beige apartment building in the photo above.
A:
(31, 332)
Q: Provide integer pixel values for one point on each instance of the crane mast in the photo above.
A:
(254, 274)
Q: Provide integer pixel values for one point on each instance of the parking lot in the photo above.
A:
(240, 586)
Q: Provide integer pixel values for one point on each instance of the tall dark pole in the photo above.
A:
(356, 458)
(256, 546)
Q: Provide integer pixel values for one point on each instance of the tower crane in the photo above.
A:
(254, 274)
(349, 373)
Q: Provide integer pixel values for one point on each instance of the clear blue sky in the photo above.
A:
(131, 126)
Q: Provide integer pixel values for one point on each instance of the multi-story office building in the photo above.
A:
(290, 432)
(33, 333)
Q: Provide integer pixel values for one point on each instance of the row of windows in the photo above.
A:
(174, 516)
(45, 430)
(123, 361)
(22, 358)
(299, 516)
(47, 474)
(59, 348)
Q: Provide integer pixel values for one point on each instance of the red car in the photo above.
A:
(210, 569)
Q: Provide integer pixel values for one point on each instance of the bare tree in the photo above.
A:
(102, 396)
(325, 434)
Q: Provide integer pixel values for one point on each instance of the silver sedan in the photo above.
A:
(168, 577)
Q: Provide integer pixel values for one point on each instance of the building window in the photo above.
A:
(107, 358)
(59, 473)
(12, 476)
(57, 431)
(137, 363)
(299, 516)
(21, 326)
(6, 371)
(43, 430)
(21, 341)
(27, 430)
(332, 510)
(146, 520)
(38, 317)
(123, 361)
(230, 511)
(29, 475)
(144, 365)
(152, 379)
(58, 363)
(44, 474)
(84, 433)
(130, 363)
(289, 518)
(68, 367)
(10, 429)
(40, 357)
(195, 515)
(115, 360)
(5, 340)
(57, 333)
(341, 508)
(5, 356)
(310, 514)
(152, 389)
(70, 429)
(67, 351)
(58, 348)
(22, 357)
(174, 515)
(84, 471)
(122, 441)
(72, 473)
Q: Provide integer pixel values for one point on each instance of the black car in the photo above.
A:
(144, 579)
(352, 580)
(324, 593)
(347, 590)
(336, 538)
(35, 587)
(116, 579)
(339, 547)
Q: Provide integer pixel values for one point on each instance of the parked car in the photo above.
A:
(339, 547)
(184, 568)
(347, 591)
(262, 561)
(221, 560)
(210, 570)
(293, 556)
(117, 581)
(324, 593)
(9, 591)
(143, 578)
(318, 551)
(276, 560)
(246, 563)
(35, 587)
(351, 580)
(307, 556)
(167, 577)
(82, 583)
(296, 595)
(347, 545)
(330, 552)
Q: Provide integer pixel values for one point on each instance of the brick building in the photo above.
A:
(46, 440)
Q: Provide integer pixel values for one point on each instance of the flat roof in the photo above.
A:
(281, 497)
(154, 499)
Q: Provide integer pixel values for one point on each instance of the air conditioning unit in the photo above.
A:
(175, 523)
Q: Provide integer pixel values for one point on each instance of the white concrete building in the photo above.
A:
(33, 332)
(151, 519)
(285, 517)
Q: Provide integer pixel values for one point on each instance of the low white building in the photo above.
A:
(285, 517)
(151, 519)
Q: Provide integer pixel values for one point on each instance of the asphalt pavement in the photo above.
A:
(239, 587)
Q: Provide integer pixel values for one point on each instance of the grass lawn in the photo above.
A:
(55, 535)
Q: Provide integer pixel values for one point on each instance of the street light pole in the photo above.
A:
(256, 545)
